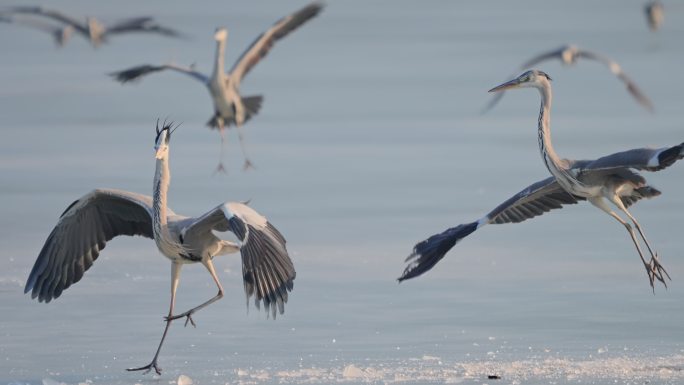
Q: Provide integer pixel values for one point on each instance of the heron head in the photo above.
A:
(569, 54)
(531, 78)
(221, 34)
(95, 31)
(161, 142)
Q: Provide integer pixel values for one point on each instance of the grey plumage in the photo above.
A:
(613, 178)
(86, 226)
(230, 108)
(88, 223)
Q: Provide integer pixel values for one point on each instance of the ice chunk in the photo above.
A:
(351, 371)
(184, 380)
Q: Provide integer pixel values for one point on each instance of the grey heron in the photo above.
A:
(610, 179)
(93, 29)
(61, 34)
(655, 14)
(224, 88)
(569, 55)
(87, 224)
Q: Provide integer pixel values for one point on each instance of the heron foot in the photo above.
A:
(187, 315)
(656, 271)
(247, 165)
(147, 368)
(220, 169)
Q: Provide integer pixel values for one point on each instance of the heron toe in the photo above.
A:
(147, 368)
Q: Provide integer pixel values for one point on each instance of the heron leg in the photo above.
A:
(654, 256)
(175, 278)
(248, 163)
(653, 266)
(222, 130)
(188, 314)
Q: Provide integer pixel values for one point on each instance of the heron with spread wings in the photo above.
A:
(224, 88)
(91, 28)
(86, 226)
(569, 55)
(612, 179)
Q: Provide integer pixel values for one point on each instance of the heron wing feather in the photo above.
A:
(135, 73)
(267, 270)
(535, 200)
(81, 233)
(261, 46)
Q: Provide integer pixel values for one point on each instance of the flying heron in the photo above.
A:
(569, 55)
(93, 29)
(60, 34)
(655, 14)
(90, 222)
(613, 178)
(224, 88)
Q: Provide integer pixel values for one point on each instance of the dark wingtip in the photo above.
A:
(668, 157)
(427, 253)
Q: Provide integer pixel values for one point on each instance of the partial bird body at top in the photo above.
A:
(655, 14)
(231, 108)
(610, 179)
(569, 55)
(90, 222)
(95, 31)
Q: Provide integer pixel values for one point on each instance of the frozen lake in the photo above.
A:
(370, 139)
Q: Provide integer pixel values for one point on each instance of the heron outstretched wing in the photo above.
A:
(532, 201)
(140, 24)
(49, 13)
(135, 73)
(536, 199)
(81, 232)
(542, 57)
(615, 68)
(60, 33)
(263, 44)
(267, 270)
(648, 159)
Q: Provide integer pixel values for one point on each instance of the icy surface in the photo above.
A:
(369, 140)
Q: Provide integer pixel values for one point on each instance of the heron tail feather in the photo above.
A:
(252, 106)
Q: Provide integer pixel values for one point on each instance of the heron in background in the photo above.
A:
(60, 34)
(655, 14)
(90, 222)
(568, 55)
(224, 88)
(93, 29)
(611, 179)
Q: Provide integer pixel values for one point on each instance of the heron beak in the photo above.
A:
(509, 84)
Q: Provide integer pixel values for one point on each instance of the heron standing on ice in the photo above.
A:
(90, 222)
(611, 179)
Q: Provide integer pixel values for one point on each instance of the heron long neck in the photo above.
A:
(551, 160)
(219, 59)
(166, 244)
